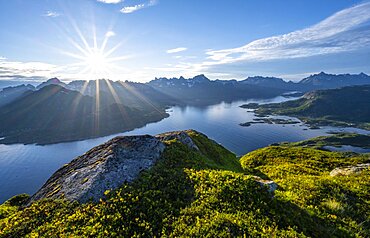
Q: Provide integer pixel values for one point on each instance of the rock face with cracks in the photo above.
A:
(104, 167)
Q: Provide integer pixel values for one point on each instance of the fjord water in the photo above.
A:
(24, 168)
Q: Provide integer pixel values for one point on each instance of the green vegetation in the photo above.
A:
(342, 107)
(341, 203)
(337, 140)
(191, 193)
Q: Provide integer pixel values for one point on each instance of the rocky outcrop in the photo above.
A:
(104, 167)
(108, 166)
(180, 136)
(350, 170)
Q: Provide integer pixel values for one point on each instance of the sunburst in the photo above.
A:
(95, 61)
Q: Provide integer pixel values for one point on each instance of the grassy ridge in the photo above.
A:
(210, 193)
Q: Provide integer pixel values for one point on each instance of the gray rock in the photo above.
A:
(271, 185)
(104, 167)
(180, 136)
(350, 170)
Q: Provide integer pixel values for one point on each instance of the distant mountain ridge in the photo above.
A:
(198, 89)
(313, 82)
(326, 81)
(56, 114)
(55, 111)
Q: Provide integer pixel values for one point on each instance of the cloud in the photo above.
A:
(110, 1)
(345, 31)
(176, 50)
(131, 9)
(51, 14)
(26, 70)
(110, 34)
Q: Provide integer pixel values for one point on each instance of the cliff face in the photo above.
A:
(107, 166)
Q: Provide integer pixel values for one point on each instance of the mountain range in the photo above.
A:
(55, 111)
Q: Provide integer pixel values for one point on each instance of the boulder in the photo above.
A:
(349, 170)
(180, 136)
(271, 185)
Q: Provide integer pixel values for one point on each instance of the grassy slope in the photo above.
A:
(208, 194)
(303, 176)
(347, 106)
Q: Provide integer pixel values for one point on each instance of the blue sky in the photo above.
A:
(153, 38)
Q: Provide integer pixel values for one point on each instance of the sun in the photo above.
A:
(97, 62)
(94, 61)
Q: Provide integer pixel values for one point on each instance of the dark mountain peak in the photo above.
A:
(322, 73)
(201, 78)
(52, 81)
(362, 74)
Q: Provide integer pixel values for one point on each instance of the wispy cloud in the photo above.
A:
(51, 14)
(345, 31)
(26, 70)
(131, 9)
(134, 8)
(111, 1)
(176, 50)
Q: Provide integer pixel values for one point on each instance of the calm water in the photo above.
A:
(24, 168)
(344, 148)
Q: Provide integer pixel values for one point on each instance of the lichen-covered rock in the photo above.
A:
(350, 170)
(180, 136)
(104, 167)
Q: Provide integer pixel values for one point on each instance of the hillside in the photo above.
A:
(348, 106)
(56, 114)
(197, 188)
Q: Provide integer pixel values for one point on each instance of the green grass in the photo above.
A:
(303, 176)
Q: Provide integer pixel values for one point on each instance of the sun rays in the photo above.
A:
(94, 60)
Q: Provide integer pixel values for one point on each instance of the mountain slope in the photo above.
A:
(348, 106)
(55, 114)
(10, 94)
(126, 93)
(202, 190)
